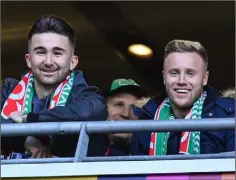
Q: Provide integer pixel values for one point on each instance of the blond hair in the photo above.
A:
(186, 46)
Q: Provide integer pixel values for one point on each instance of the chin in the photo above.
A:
(183, 105)
(49, 82)
(121, 135)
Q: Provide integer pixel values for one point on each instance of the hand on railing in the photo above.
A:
(16, 116)
(36, 148)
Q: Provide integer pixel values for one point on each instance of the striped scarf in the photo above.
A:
(190, 141)
(21, 97)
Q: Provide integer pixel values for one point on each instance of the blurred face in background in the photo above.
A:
(119, 108)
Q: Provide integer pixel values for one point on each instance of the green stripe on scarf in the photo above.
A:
(21, 96)
(164, 113)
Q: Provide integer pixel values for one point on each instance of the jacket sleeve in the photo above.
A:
(6, 89)
(84, 104)
(230, 138)
(9, 144)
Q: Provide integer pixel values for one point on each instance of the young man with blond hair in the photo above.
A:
(187, 96)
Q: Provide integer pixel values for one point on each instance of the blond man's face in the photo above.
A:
(184, 76)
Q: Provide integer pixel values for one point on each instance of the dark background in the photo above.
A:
(105, 29)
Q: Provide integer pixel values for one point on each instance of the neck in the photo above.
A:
(179, 113)
(118, 140)
(43, 90)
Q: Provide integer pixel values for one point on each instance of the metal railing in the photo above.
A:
(84, 129)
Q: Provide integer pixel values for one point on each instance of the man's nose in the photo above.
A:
(48, 60)
(182, 79)
(126, 112)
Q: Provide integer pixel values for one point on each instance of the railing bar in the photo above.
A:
(35, 161)
(49, 128)
(166, 157)
(121, 158)
(22, 129)
(161, 126)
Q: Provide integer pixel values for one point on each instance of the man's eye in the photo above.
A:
(118, 104)
(174, 73)
(57, 53)
(40, 52)
(190, 73)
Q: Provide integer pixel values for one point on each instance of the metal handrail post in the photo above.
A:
(82, 145)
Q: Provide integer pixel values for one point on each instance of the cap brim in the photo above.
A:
(131, 89)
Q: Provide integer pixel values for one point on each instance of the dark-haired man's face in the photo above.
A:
(50, 58)
(184, 77)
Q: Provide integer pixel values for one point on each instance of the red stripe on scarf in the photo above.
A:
(16, 99)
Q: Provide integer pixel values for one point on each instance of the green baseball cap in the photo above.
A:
(118, 83)
(126, 85)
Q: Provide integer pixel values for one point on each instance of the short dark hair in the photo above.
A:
(53, 24)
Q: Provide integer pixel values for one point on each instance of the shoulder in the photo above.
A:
(80, 85)
(220, 104)
(79, 78)
(82, 91)
(6, 88)
(145, 108)
(9, 84)
(227, 100)
(227, 104)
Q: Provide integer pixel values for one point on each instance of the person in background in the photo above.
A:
(51, 91)
(123, 93)
(187, 96)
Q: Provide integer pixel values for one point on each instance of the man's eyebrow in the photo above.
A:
(58, 49)
(173, 69)
(39, 48)
(192, 69)
(118, 101)
(54, 49)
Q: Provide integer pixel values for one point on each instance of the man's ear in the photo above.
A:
(205, 80)
(163, 77)
(28, 60)
(74, 62)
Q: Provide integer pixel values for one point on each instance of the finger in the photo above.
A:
(35, 153)
(30, 149)
(44, 154)
(41, 154)
(15, 115)
(49, 155)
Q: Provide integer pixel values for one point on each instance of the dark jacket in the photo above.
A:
(210, 141)
(84, 104)
(118, 147)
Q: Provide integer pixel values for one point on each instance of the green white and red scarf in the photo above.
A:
(21, 97)
(190, 141)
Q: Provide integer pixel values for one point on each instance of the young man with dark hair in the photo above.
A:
(187, 96)
(52, 90)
